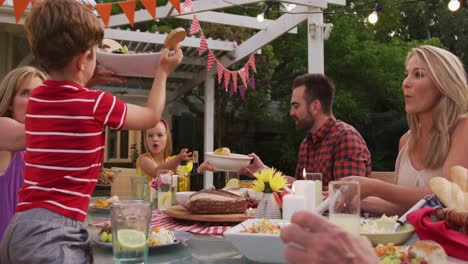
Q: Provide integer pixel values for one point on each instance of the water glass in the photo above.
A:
(167, 184)
(316, 177)
(130, 225)
(345, 199)
(139, 185)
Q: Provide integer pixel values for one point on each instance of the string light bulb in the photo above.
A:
(374, 17)
(261, 17)
(453, 5)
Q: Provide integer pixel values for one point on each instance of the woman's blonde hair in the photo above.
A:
(168, 148)
(10, 84)
(447, 73)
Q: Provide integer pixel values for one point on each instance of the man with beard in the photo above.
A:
(331, 147)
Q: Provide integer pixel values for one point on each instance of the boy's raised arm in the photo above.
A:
(139, 117)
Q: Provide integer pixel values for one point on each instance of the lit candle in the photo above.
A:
(250, 212)
(306, 189)
(291, 204)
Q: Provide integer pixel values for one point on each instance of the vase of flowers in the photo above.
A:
(268, 181)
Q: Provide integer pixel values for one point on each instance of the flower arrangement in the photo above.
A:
(268, 181)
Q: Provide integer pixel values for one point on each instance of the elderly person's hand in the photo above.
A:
(320, 241)
(103, 76)
(256, 166)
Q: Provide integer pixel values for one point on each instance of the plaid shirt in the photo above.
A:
(336, 150)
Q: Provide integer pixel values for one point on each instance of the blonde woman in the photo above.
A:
(436, 103)
(14, 96)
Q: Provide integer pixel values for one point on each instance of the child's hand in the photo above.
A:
(167, 63)
(184, 155)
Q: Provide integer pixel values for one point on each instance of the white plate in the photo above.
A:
(256, 246)
(132, 65)
(99, 209)
(180, 236)
(232, 162)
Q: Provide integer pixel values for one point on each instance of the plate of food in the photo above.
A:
(421, 252)
(106, 178)
(378, 230)
(104, 204)
(117, 58)
(159, 237)
(224, 160)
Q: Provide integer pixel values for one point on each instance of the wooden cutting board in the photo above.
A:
(179, 212)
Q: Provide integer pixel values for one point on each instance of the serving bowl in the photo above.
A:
(258, 246)
(384, 237)
(232, 162)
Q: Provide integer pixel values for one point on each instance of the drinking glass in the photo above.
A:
(166, 188)
(344, 207)
(130, 223)
(229, 175)
(139, 185)
(316, 177)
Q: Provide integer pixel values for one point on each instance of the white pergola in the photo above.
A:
(192, 72)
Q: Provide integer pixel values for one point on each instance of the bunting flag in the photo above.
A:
(219, 69)
(128, 7)
(246, 68)
(104, 10)
(195, 27)
(234, 80)
(227, 78)
(242, 90)
(19, 6)
(90, 7)
(176, 4)
(252, 62)
(1, 2)
(243, 77)
(211, 60)
(252, 83)
(231, 90)
(150, 6)
(203, 45)
(187, 6)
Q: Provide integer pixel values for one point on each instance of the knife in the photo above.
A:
(402, 219)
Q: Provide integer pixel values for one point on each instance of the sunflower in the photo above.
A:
(268, 180)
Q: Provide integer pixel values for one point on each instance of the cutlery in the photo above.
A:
(402, 219)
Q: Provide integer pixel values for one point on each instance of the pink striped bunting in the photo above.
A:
(234, 81)
(252, 62)
(211, 60)
(195, 27)
(220, 70)
(227, 78)
(242, 91)
(187, 6)
(203, 45)
(243, 77)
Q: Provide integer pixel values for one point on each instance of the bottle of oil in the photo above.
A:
(183, 180)
(196, 178)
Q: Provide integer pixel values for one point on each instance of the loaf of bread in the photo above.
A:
(449, 193)
(430, 251)
(459, 175)
(216, 202)
(456, 220)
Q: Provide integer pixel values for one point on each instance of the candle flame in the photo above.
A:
(304, 173)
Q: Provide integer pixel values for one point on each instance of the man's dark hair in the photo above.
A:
(317, 87)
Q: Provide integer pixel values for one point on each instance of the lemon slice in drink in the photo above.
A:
(166, 197)
(131, 239)
(232, 183)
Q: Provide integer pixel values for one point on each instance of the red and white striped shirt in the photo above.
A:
(65, 136)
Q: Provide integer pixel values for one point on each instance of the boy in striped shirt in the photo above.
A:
(65, 124)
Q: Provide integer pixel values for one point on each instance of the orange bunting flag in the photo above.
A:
(128, 7)
(211, 60)
(1, 2)
(176, 4)
(19, 6)
(150, 6)
(252, 63)
(227, 78)
(104, 11)
(234, 81)
(90, 7)
(220, 70)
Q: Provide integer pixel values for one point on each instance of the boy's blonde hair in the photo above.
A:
(10, 84)
(447, 73)
(58, 30)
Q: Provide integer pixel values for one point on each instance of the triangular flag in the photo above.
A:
(234, 80)
(252, 83)
(150, 6)
(187, 6)
(219, 69)
(243, 77)
(231, 90)
(227, 78)
(211, 60)
(104, 11)
(1, 2)
(246, 68)
(176, 4)
(128, 7)
(203, 45)
(19, 6)
(252, 63)
(195, 27)
(89, 6)
(242, 91)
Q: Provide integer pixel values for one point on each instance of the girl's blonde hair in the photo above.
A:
(168, 148)
(10, 84)
(447, 73)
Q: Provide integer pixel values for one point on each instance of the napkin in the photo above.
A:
(454, 243)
